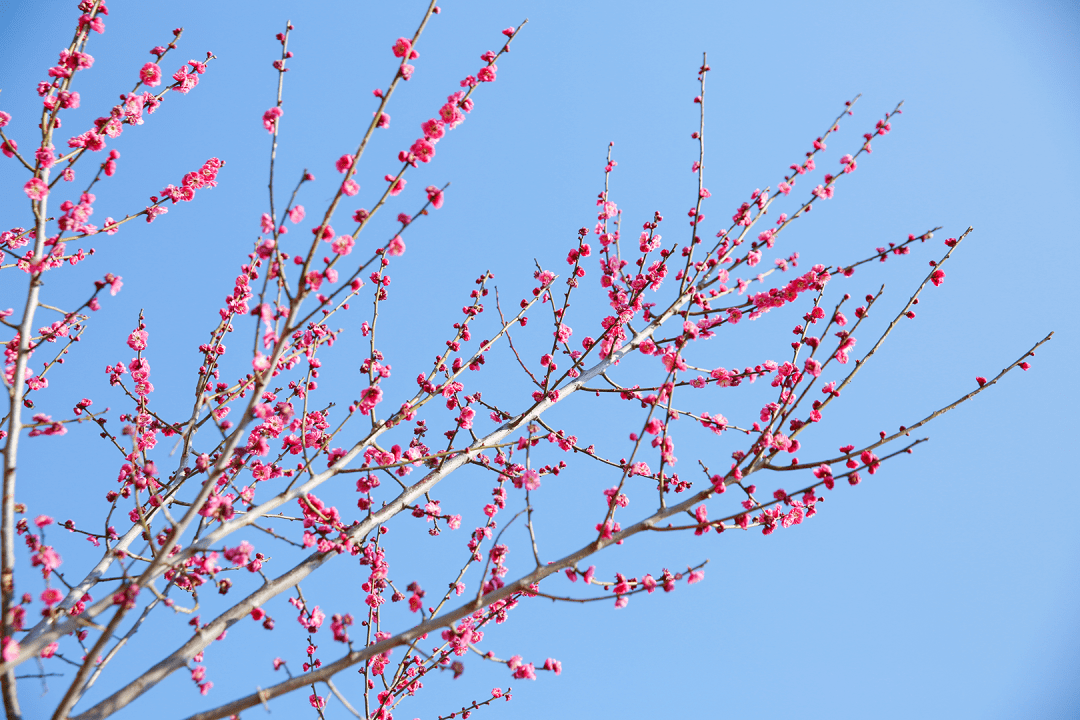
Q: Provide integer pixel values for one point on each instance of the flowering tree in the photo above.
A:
(218, 516)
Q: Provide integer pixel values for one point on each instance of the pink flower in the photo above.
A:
(402, 47)
(185, 81)
(260, 362)
(343, 245)
(486, 74)
(296, 214)
(871, 461)
(150, 75)
(423, 150)
(396, 247)
(370, 398)
(46, 157)
(47, 558)
(349, 187)
(525, 672)
(10, 652)
(36, 189)
(137, 340)
(4, 118)
(433, 129)
(51, 596)
(270, 118)
(937, 277)
(531, 479)
(435, 196)
(344, 163)
(153, 211)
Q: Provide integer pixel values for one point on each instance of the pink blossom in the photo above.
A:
(402, 47)
(153, 211)
(531, 479)
(185, 81)
(433, 129)
(270, 119)
(47, 558)
(553, 665)
(296, 214)
(435, 196)
(137, 340)
(525, 672)
(343, 245)
(150, 75)
(45, 156)
(36, 189)
(344, 163)
(396, 247)
(4, 118)
(423, 150)
(370, 398)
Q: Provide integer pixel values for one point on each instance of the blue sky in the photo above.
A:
(944, 586)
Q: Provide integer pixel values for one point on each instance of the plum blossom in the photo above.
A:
(150, 75)
(36, 189)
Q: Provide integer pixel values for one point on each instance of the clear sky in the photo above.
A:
(945, 586)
